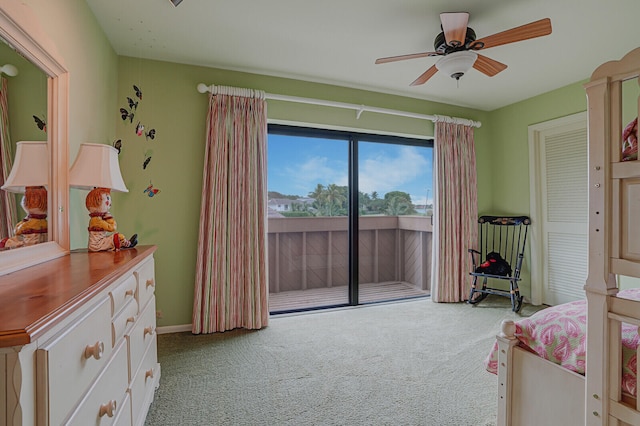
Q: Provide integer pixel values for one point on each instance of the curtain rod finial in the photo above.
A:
(203, 88)
(9, 70)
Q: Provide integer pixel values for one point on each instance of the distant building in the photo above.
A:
(280, 204)
(286, 204)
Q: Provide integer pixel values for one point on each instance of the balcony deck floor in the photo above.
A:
(332, 296)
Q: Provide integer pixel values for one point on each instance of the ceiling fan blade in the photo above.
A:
(488, 66)
(404, 57)
(425, 76)
(524, 32)
(454, 26)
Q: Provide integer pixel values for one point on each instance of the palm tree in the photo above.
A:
(334, 197)
(317, 193)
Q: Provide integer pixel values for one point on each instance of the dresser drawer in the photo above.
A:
(144, 383)
(107, 396)
(146, 282)
(70, 361)
(122, 293)
(124, 320)
(123, 417)
(142, 335)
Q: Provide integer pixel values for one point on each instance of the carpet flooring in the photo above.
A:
(409, 363)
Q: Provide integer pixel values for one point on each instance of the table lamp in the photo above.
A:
(96, 169)
(29, 176)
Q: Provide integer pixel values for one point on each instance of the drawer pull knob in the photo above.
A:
(148, 374)
(148, 330)
(128, 293)
(109, 409)
(150, 282)
(131, 319)
(96, 350)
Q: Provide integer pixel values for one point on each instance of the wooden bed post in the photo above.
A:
(506, 342)
(599, 279)
(611, 226)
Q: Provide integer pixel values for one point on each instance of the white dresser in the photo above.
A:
(78, 340)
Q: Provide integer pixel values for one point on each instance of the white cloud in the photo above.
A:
(382, 173)
(307, 175)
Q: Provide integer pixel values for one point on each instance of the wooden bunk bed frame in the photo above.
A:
(534, 391)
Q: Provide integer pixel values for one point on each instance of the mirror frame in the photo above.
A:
(20, 27)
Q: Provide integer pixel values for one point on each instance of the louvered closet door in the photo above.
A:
(563, 184)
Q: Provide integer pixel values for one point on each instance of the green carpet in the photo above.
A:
(409, 363)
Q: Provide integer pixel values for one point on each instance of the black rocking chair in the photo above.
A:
(501, 241)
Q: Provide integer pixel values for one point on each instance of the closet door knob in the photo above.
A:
(96, 350)
(109, 409)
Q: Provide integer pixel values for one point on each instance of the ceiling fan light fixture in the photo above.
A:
(456, 64)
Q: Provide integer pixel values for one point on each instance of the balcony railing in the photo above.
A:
(312, 253)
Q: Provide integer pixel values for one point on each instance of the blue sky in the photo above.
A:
(296, 165)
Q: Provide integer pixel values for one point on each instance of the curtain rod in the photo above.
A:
(203, 88)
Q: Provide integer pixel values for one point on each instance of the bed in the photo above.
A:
(533, 390)
(558, 335)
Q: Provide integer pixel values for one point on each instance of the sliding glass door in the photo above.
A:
(348, 219)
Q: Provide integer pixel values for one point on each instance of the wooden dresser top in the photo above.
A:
(34, 299)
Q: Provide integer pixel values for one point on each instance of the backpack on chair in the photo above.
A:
(494, 265)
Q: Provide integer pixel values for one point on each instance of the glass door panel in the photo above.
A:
(307, 222)
(395, 208)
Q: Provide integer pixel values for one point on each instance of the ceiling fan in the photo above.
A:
(457, 45)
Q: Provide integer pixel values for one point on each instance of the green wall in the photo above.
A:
(26, 97)
(172, 105)
(510, 143)
(509, 156)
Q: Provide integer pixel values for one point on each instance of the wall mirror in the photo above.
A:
(21, 30)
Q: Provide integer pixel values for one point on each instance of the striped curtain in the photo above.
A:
(231, 279)
(456, 211)
(8, 209)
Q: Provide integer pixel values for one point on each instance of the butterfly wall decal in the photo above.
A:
(139, 129)
(118, 145)
(132, 104)
(151, 191)
(41, 123)
(138, 92)
(151, 134)
(126, 114)
(147, 158)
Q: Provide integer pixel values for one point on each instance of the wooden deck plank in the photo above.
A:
(331, 296)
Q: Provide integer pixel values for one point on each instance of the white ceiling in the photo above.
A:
(337, 41)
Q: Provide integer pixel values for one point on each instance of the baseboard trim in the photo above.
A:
(173, 329)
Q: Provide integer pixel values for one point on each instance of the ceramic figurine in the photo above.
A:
(102, 226)
(33, 228)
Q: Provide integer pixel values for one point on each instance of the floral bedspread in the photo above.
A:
(558, 334)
